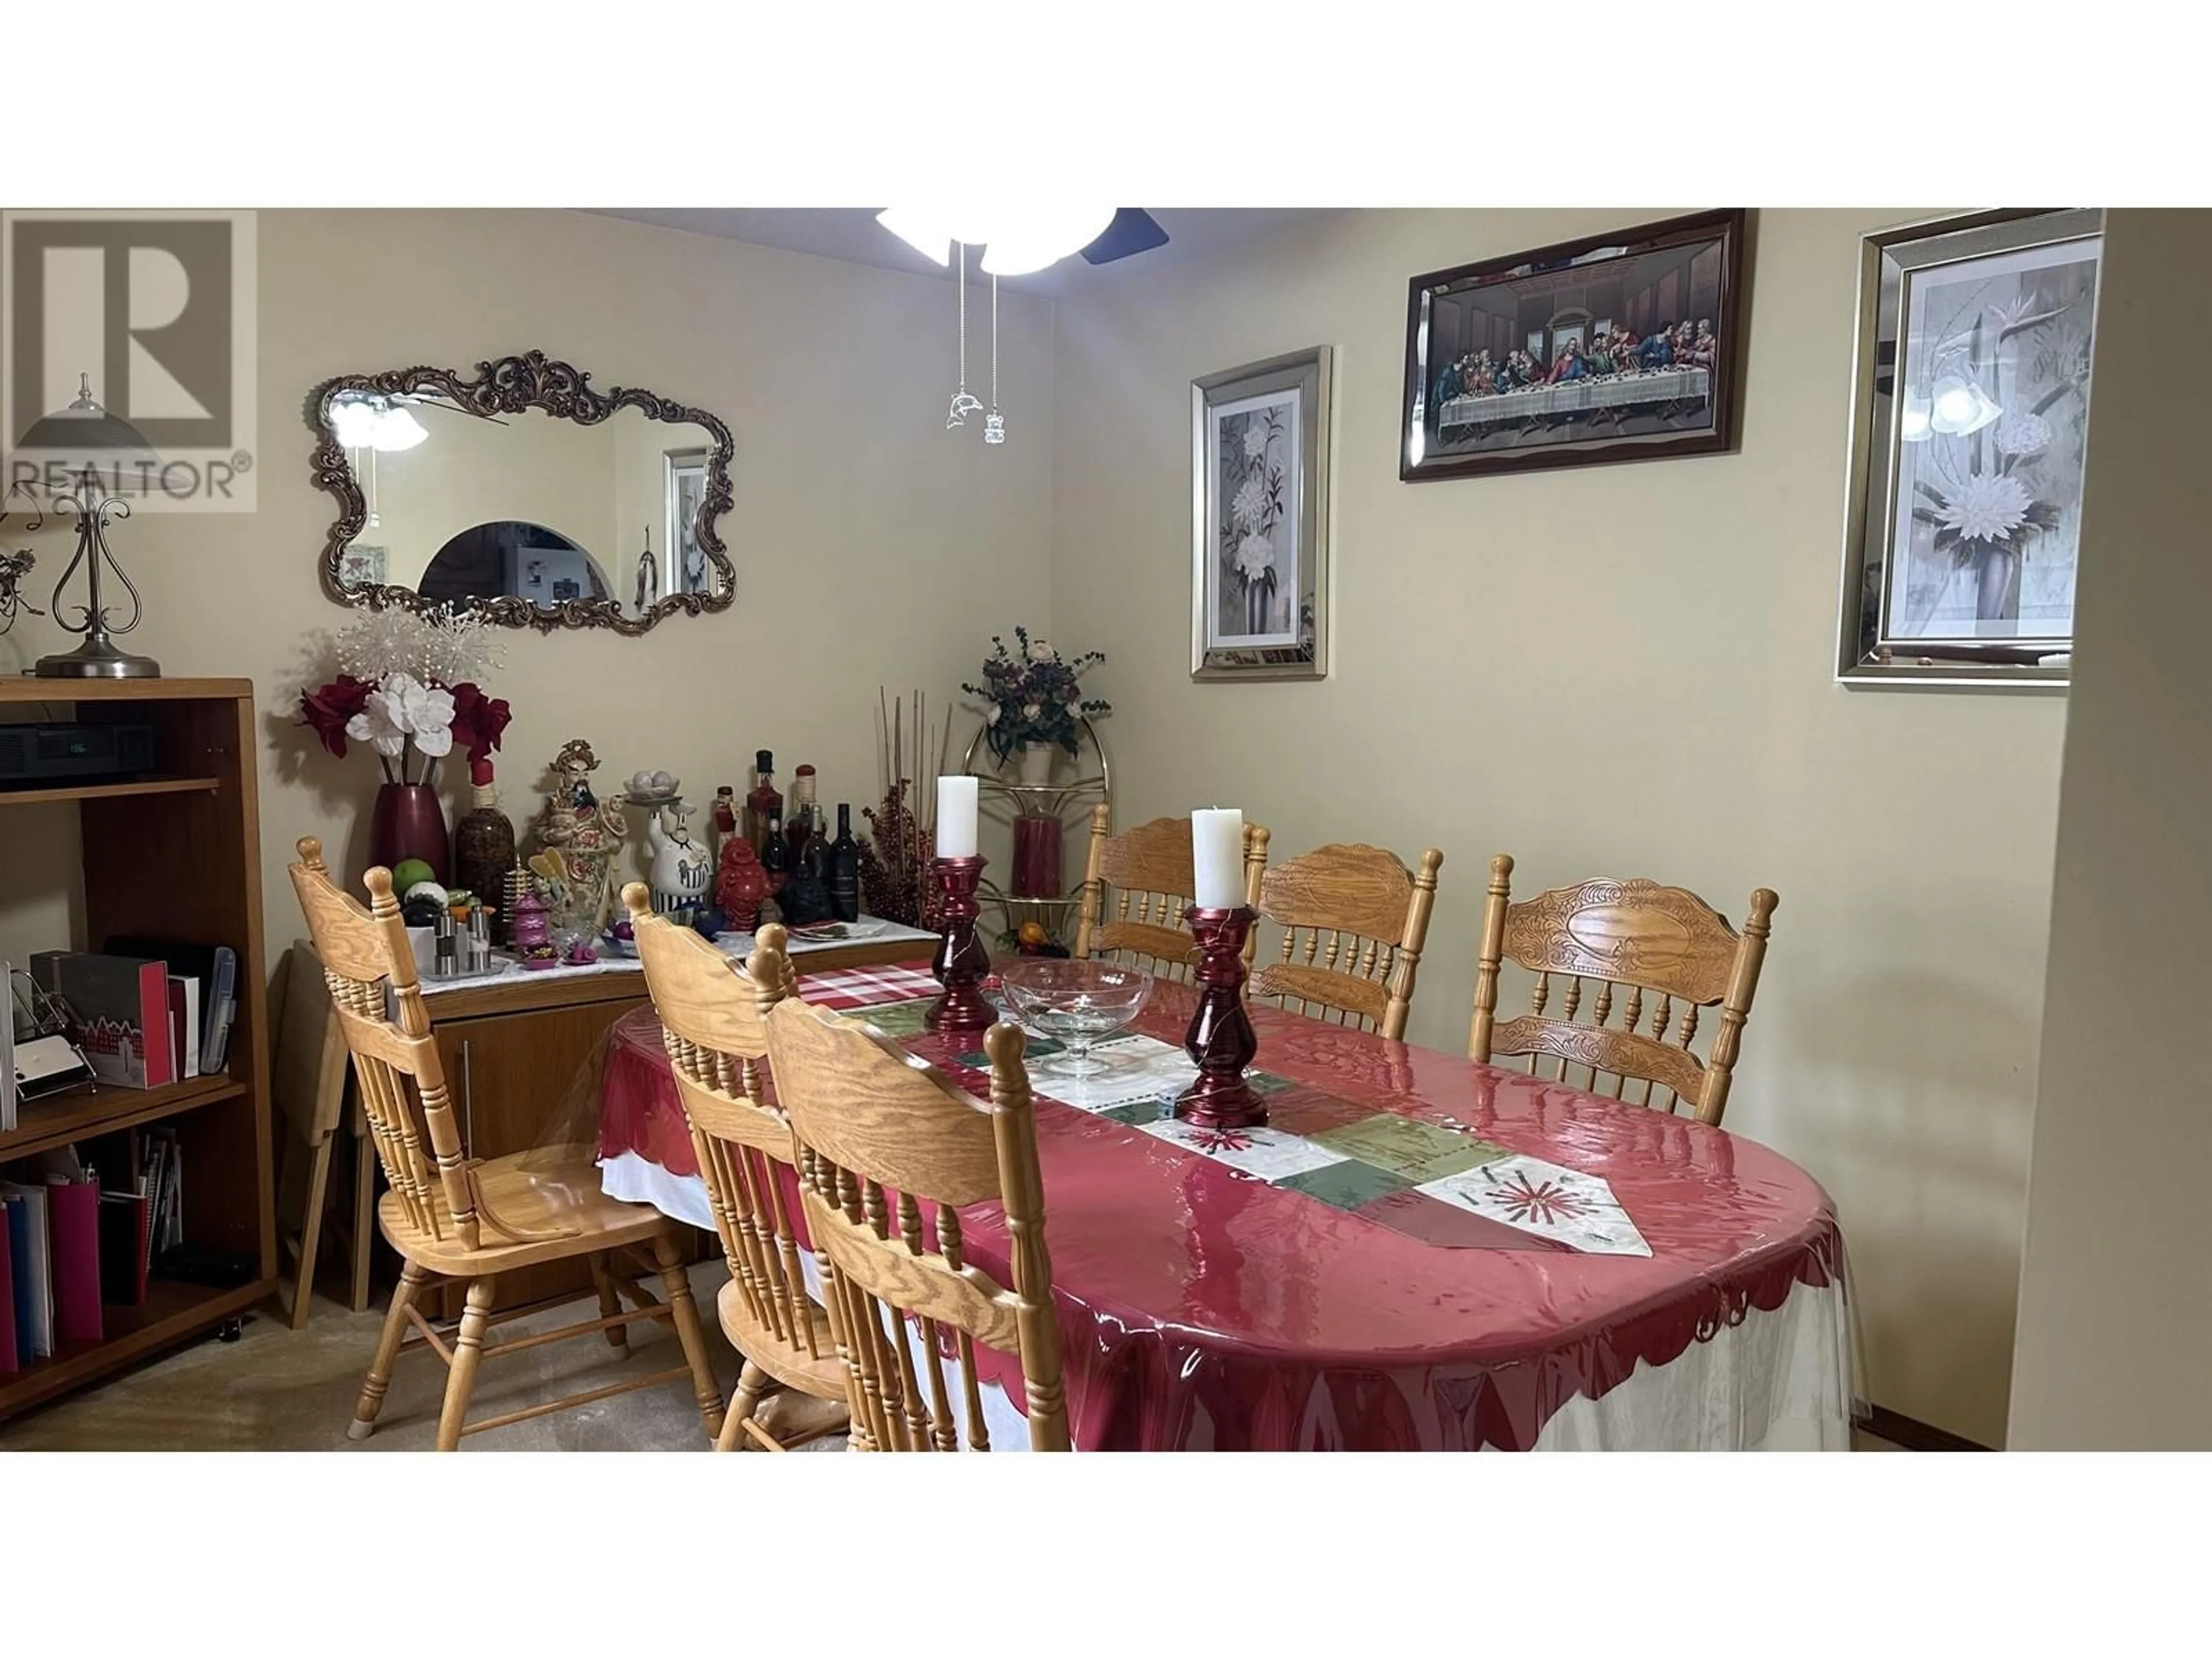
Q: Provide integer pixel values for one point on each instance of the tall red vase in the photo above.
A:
(1036, 856)
(409, 822)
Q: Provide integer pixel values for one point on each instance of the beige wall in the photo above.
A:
(1622, 669)
(870, 544)
(2115, 1316)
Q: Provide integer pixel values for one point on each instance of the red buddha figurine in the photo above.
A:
(740, 885)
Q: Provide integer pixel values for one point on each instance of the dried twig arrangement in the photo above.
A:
(895, 859)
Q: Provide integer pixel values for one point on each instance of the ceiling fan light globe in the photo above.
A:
(922, 229)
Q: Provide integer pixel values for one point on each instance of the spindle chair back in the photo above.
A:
(1149, 873)
(893, 1152)
(712, 1023)
(1353, 922)
(1602, 945)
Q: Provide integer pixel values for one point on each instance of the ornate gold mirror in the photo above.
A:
(523, 492)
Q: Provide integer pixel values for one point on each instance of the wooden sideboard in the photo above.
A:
(514, 1048)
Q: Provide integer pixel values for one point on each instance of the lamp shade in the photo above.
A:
(87, 437)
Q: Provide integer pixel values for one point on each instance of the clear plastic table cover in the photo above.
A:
(1200, 1307)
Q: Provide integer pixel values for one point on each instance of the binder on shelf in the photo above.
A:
(33, 1271)
(73, 1213)
(8, 1359)
(184, 1023)
(126, 1234)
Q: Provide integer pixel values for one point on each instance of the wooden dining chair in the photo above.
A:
(881, 1136)
(1634, 936)
(711, 1021)
(454, 1216)
(1150, 873)
(1353, 922)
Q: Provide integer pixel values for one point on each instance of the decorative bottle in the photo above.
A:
(484, 846)
(800, 821)
(775, 853)
(766, 801)
(725, 818)
(845, 868)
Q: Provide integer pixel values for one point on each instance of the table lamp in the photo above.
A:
(82, 442)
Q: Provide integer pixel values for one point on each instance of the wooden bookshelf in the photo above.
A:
(173, 855)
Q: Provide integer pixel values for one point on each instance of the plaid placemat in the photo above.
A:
(847, 988)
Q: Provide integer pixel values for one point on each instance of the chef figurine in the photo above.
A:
(680, 866)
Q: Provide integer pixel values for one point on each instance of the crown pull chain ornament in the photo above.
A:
(995, 424)
(963, 404)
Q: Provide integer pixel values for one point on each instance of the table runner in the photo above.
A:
(1200, 1308)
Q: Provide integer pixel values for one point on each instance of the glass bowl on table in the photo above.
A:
(1075, 1002)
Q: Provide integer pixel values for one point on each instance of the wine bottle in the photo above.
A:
(801, 822)
(775, 853)
(845, 868)
(484, 845)
(764, 801)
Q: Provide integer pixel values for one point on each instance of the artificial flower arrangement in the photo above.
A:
(407, 686)
(1031, 695)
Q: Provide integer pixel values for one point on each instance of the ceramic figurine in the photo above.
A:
(680, 868)
(534, 929)
(740, 885)
(582, 837)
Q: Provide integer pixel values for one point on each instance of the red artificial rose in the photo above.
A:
(478, 720)
(329, 707)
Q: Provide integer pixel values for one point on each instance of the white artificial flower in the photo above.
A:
(380, 644)
(1987, 507)
(991, 714)
(1255, 439)
(1040, 651)
(1255, 556)
(378, 724)
(1250, 503)
(430, 718)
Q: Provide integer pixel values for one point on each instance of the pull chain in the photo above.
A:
(963, 404)
(995, 424)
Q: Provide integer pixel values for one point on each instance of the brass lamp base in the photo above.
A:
(97, 659)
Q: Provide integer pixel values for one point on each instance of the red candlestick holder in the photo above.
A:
(1220, 1039)
(961, 961)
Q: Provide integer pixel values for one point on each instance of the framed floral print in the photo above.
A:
(1969, 434)
(1259, 471)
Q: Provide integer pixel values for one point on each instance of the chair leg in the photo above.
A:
(365, 1409)
(752, 1382)
(311, 1231)
(468, 1354)
(610, 1302)
(677, 1284)
(364, 1211)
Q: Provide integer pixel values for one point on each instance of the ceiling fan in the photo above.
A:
(1019, 241)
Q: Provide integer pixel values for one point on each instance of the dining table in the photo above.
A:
(1416, 1252)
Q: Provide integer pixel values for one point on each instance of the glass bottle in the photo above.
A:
(801, 822)
(775, 853)
(845, 868)
(725, 816)
(484, 845)
(764, 802)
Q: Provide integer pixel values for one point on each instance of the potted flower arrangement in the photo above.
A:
(407, 687)
(1032, 699)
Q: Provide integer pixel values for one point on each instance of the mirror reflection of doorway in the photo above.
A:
(512, 559)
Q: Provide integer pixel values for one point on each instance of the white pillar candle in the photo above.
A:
(956, 818)
(1217, 856)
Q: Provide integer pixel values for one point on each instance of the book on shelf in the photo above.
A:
(121, 1007)
(33, 1282)
(214, 970)
(80, 1234)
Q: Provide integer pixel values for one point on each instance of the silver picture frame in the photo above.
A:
(1260, 519)
(1968, 439)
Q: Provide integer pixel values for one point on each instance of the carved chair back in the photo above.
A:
(895, 1151)
(1353, 922)
(713, 1025)
(395, 1061)
(1149, 872)
(1601, 948)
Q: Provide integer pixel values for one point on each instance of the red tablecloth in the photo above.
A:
(1202, 1308)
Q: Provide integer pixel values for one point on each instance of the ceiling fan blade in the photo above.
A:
(1134, 231)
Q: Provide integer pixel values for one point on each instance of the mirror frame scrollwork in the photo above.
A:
(510, 385)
